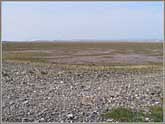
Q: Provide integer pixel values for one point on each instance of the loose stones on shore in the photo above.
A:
(74, 95)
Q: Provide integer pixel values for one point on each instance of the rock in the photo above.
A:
(70, 116)
(5, 74)
(44, 72)
(87, 100)
(157, 102)
(109, 120)
(25, 102)
(61, 82)
(23, 72)
(42, 119)
(99, 88)
(147, 119)
(31, 72)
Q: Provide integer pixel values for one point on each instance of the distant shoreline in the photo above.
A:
(85, 41)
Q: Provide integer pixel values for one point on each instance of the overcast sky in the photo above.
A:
(25, 21)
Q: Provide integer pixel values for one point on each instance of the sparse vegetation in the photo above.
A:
(124, 115)
(85, 53)
(127, 115)
(25, 56)
(156, 113)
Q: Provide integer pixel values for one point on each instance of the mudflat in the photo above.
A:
(105, 53)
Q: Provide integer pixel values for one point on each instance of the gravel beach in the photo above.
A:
(51, 93)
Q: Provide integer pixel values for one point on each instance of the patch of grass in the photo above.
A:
(23, 56)
(131, 68)
(127, 115)
(124, 115)
(156, 113)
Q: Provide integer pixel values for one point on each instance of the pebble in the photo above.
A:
(42, 119)
(109, 120)
(61, 82)
(25, 102)
(147, 119)
(70, 116)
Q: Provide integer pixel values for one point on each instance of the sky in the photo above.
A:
(28, 21)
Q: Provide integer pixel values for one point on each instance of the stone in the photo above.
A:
(70, 116)
(87, 100)
(147, 119)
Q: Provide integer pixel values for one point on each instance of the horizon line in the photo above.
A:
(85, 41)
